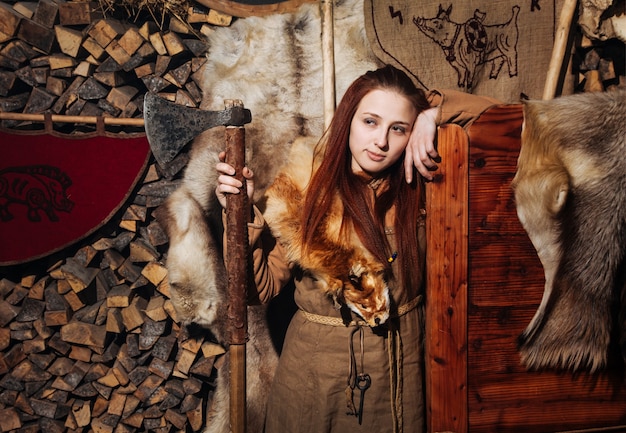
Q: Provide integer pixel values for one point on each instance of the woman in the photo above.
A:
(347, 226)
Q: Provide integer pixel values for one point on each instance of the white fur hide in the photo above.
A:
(273, 64)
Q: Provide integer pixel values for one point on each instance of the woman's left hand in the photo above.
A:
(420, 150)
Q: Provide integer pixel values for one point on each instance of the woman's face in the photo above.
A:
(380, 129)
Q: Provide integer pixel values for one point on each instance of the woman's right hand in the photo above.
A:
(228, 184)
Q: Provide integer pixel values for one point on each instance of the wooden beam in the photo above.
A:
(446, 285)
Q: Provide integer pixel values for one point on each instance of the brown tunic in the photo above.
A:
(322, 357)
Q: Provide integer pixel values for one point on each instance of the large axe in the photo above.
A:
(169, 126)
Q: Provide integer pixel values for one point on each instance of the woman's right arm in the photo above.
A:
(270, 268)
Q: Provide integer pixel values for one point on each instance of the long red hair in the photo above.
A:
(335, 176)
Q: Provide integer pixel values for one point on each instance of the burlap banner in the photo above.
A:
(498, 48)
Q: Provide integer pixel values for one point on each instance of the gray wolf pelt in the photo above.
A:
(471, 44)
(285, 100)
(570, 192)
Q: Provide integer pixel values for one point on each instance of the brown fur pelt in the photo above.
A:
(348, 273)
(570, 192)
(274, 65)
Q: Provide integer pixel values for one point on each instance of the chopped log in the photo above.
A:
(104, 31)
(197, 14)
(55, 86)
(147, 387)
(94, 48)
(8, 312)
(119, 296)
(141, 251)
(5, 339)
(7, 82)
(26, 8)
(69, 40)
(183, 98)
(178, 420)
(78, 276)
(173, 43)
(193, 405)
(120, 97)
(156, 39)
(36, 35)
(117, 53)
(80, 353)
(155, 310)
(198, 49)
(60, 61)
(162, 64)
(84, 333)
(131, 41)
(9, 419)
(219, 19)
(132, 315)
(74, 13)
(84, 69)
(81, 411)
(178, 26)
(57, 318)
(115, 321)
(14, 51)
(46, 13)
(26, 75)
(154, 272)
(62, 101)
(9, 20)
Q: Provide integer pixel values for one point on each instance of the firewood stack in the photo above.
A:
(600, 65)
(91, 342)
(89, 339)
(69, 58)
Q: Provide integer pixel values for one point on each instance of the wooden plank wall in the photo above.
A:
(481, 386)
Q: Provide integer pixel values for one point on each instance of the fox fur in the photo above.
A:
(348, 272)
(284, 98)
(570, 192)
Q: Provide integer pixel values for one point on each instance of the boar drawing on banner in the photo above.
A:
(493, 48)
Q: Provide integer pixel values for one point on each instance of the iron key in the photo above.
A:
(363, 383)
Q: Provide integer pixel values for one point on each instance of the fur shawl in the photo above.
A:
(347, 271)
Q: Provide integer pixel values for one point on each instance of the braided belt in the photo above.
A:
(338, 321)
(394, 343)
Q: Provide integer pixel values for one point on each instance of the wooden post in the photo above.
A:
(558, 50)
(447, 234)
(328, 60)
(237, 214)
(61, 118)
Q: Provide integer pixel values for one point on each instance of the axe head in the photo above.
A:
(169, 126)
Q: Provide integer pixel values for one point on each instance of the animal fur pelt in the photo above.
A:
(348, 272)
(570, 192)
(284, 97)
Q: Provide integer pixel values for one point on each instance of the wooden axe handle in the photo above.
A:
(237, 214)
